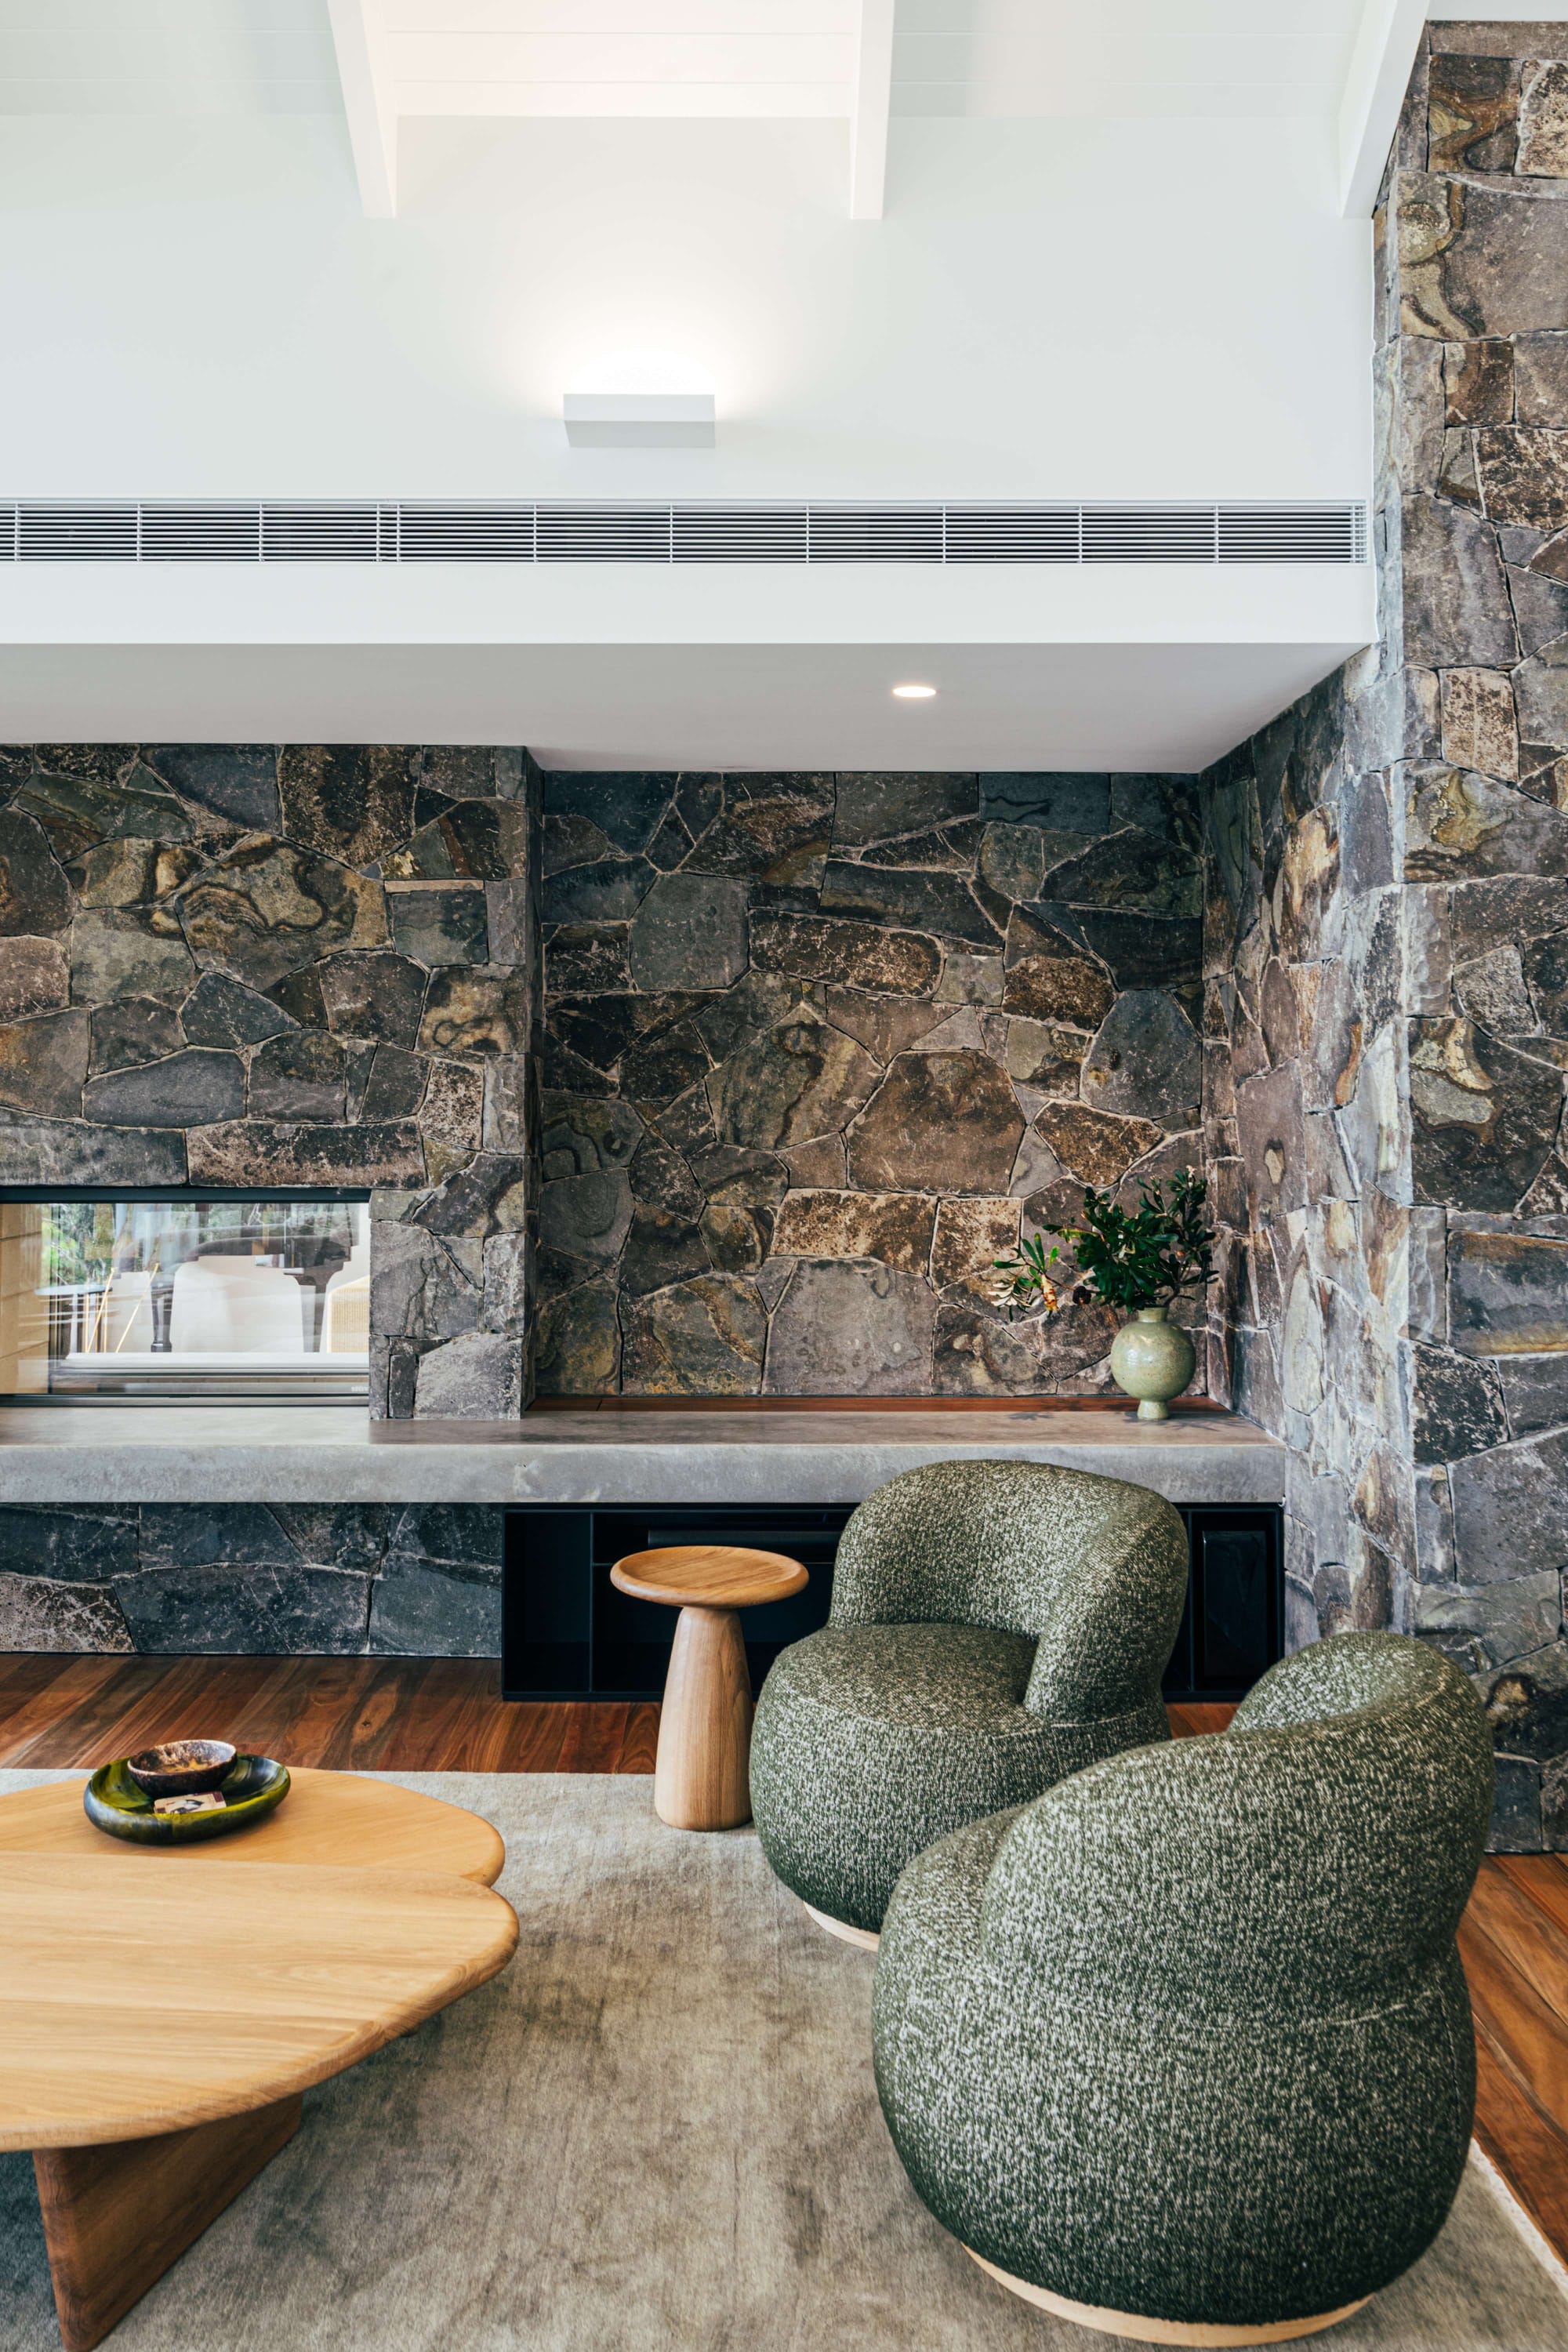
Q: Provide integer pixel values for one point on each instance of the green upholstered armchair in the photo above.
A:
(994, 1626)
(1186, 2041)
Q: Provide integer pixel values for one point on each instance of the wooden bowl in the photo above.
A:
(181, 1767)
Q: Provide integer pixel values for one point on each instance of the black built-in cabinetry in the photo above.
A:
(567, 1633)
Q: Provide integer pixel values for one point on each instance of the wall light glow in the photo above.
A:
(914, 693)
(646, 370)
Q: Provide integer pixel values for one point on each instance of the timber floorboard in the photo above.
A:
(346, 1714)
(446, 1715)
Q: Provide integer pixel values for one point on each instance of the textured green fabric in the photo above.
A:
(1188, 2036)
(996, 1625)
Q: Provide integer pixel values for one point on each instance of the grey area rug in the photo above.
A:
(658, 2127)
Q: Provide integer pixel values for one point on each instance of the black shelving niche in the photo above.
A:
(568, 1633)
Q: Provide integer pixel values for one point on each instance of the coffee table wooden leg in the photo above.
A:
(703, 1770)
(116, 2216)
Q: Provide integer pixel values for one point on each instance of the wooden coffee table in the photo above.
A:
(334, 1818)
(160, 2016)
(702, 1770)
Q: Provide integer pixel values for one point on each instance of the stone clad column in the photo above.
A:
(1480, 203)
(1387, 958)
(452, 1261)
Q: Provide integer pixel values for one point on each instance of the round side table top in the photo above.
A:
(331, 1818)
(709, 1576)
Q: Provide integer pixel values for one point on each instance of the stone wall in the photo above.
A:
(1307, 1141)
(240, 965)
(254, 1580)
(1481, 207)
(1387, 958)
(817, 1044)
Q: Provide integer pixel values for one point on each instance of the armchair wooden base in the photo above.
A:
(1162, 2331)
(862, 1938)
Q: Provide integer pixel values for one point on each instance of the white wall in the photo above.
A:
(1057, 308)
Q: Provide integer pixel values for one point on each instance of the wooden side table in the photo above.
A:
(703, 1770)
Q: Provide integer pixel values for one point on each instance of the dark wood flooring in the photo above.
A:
(363, 1715)
(434, 1715)
(1514, 1942)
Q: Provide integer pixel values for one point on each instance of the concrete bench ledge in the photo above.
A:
(334, 1454)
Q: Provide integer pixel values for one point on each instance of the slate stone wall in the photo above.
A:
(1386, 1000)
(289, 966)
(816, 1047)
(253, 1579)
(1307, 1128)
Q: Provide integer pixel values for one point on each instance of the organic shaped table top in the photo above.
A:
(145, 1996)
(334, 1819)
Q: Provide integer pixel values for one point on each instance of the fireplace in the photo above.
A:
(127, 1295)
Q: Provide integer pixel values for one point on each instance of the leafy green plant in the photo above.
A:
(77, 1241)
(1026, 1287)
(1129, 1257)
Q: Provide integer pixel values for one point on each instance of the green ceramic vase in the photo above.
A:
(1152, 1360)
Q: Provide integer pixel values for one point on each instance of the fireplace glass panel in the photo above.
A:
(200, 1297)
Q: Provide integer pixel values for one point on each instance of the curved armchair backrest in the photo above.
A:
(1094, 1568)
(1315, 1856)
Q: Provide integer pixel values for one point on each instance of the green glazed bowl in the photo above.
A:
(252, 1786)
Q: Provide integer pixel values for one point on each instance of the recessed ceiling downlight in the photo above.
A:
(914, 693)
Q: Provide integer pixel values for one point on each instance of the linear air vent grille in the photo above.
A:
(600, 532)
(1292, 534)
(1013, 534)
(1145, 535)
(306, 534)
(193, 534)
(40, 534)
(741, 534)
(475, 535)
(874, 534)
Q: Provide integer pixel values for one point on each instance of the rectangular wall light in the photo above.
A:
(639, 420)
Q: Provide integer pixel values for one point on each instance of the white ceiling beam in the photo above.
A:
(732, 101)
(1382, 61)
(872, 98)
(373, 126)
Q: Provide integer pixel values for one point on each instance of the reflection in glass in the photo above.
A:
(185, 1297)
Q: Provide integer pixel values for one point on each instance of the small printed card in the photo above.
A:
(210, 1801)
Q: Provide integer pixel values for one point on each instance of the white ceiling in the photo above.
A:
(1117, 58)
(599, 58)
(1045, 58)
(1007, 707)
(966, 58)
(167, 57)
(434, 352)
